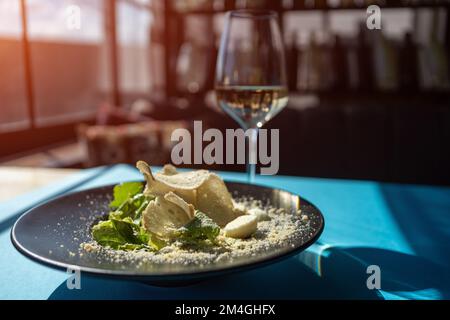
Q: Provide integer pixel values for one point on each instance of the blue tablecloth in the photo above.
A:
(404, 229)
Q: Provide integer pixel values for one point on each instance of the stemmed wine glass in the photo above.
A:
(251, 83)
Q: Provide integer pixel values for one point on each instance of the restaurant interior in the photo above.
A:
(111, 87)
(359, 91)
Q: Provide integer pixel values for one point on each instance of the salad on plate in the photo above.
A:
(190, 207)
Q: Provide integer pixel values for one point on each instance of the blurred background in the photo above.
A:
(364, 104)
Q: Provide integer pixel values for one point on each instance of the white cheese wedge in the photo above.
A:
(242, 227)
(260, 214)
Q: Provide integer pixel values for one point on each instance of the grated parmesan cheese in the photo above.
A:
(280, 230)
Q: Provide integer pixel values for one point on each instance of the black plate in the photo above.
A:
(52, 233)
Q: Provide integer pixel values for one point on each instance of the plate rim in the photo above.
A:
(165, 276)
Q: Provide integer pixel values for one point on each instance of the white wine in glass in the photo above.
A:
(251, 83)
(252, 105)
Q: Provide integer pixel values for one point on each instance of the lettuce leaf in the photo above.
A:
(106, 234)
(125, 191)
(200, 228)
(128, 230)
(132, 207)
(124, 234)
(155, 242)
(123, 230)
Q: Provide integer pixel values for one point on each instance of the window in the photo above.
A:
(133, 38)
(13, 103)
(68, 61)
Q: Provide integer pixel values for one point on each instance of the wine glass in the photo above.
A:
(250, 82)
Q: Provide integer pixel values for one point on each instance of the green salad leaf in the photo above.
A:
(156, 243)
(106, 234)
(132, 207)
(124, 191)
(200, 228)
(128, 230)
(129, 201)
(123, 229)
(125, 234)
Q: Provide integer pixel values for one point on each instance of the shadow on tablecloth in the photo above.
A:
(319, 273)
(423, 216)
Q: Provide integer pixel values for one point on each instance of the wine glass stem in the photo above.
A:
(252, 148)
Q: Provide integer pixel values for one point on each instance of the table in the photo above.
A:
(402, 229)
(19, 180)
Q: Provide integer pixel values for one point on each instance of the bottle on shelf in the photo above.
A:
(438, 55)
(386, 62)
(310, 66)
(292, 60)
(408, 64)
(339, 65)
(364, 61)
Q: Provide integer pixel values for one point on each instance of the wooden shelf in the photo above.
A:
(299, 6)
